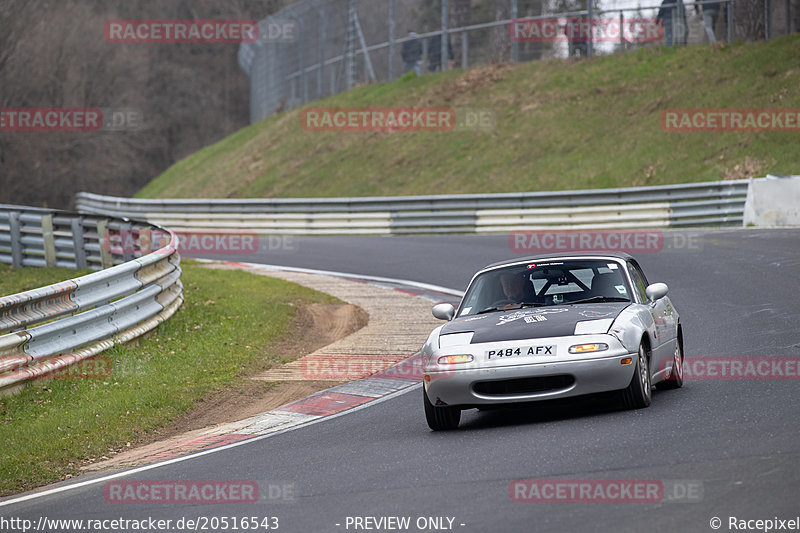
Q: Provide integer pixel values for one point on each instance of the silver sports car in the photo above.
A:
(548, 327)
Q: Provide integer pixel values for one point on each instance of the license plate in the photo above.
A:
(522, 351)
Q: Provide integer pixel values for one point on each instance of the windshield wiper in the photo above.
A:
(600, 299)
(515, 306)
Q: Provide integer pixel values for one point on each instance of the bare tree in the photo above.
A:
(748, 19)
(189, 95)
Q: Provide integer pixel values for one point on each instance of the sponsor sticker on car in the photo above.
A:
(522, 351)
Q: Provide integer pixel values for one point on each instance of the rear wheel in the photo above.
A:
(639, 392)
(441, 417)
(675, 379)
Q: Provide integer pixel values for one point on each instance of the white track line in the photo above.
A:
(409, 283)
(153, 466)
(64, 488)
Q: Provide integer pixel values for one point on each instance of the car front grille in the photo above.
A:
(509, 387)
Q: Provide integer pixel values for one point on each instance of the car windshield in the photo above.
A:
(573, 281)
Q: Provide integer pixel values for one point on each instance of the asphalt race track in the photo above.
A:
(734, 444)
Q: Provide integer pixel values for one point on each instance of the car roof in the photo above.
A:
(574, 255)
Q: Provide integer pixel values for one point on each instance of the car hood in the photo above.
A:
(532, 322)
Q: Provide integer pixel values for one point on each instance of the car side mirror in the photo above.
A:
(444, 311)
(656, 291)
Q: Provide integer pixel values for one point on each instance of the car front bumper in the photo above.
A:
(530, 380)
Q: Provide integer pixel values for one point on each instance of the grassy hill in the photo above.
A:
(561, 124)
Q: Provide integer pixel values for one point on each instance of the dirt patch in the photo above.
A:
(313, 326)
(751, 166)
(471, 81)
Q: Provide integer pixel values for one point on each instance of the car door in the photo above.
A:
(663, 315)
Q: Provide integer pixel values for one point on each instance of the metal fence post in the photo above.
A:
(300, 55)
(48, 241)
(78, 243)
(788, 17)
(322, 41)
(730, 22)
(16, 235)
(590, 16)
(391, 38)
(445, 57)
(767, 20)
(424, 62)
(514, 43)
(464, 53)
(350, 61)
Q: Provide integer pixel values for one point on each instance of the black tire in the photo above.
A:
(675, 379)
(639, 392)
(441, 417)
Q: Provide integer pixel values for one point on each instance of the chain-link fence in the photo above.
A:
(317, 48)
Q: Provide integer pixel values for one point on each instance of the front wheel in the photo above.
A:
(639, 392)
(442, 417)
(675, 379)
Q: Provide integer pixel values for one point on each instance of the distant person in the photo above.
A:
(411, 53)
(672, 15)
(435, 52)
(577, 36)
(710, 16)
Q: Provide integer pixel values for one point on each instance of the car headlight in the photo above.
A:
(588, 348)
(455, 359)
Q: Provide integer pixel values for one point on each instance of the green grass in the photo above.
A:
(560, 125)
(14, 280)
(225, 330)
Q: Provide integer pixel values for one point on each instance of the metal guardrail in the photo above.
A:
(47, 329)
(719, 203)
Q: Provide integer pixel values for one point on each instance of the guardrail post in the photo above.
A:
(48, 241)
(127, 236)
(106, 260)
(145, 241)
(16, 244)
(78, 243)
